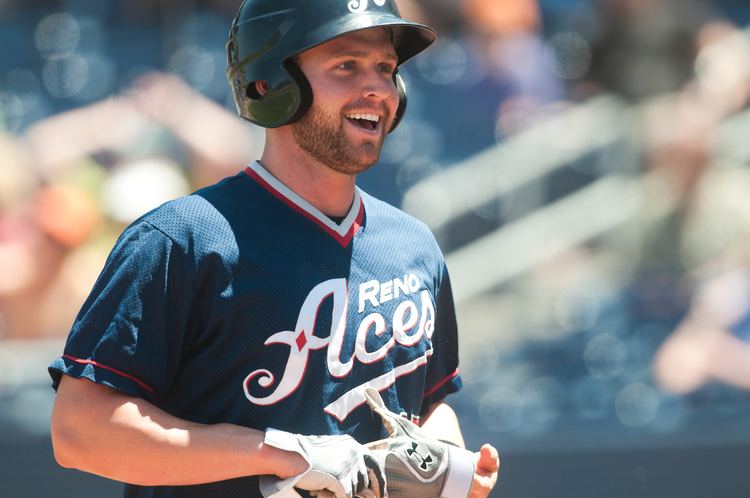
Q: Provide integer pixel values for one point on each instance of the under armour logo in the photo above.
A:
(359, 6)
(424, 461)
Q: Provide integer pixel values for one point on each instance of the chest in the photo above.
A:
(316, 328)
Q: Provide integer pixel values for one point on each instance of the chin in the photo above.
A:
(352, 168)
(354, 165)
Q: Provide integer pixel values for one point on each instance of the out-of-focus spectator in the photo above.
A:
(642, 48)
(17, 179)
(488, 76)
(42, 282)
(217, 143)
(76, 179)
(442, 15)
(677, 133)
(507, 35)
(134, 187)
(713, 342)
(699, 246)
(694, 223)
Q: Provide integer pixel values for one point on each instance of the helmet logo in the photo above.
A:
(359, 6)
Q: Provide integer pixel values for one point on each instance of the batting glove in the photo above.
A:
(338, 467)
(417, 465)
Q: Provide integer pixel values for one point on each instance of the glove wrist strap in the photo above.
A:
(272, 486)
(460, 473)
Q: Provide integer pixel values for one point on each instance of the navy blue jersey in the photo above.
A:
(244, 304)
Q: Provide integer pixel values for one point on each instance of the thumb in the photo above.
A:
(488, 458)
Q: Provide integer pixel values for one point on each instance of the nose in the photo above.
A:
(378, 86)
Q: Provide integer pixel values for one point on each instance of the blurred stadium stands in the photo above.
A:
(581, 213)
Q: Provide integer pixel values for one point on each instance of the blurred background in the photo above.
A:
(584, 164)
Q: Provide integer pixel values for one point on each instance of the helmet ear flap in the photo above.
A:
(401, 109)
(305, 95)
(280, 105)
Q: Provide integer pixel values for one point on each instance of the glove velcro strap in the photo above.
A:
(272, 486)
(282, 440)
(460, 473)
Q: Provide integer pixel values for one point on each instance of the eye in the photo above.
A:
(347, 66)
(387, 68)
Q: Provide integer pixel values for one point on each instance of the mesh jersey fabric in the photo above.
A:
(243, 304)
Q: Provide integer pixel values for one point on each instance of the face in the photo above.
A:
(354, 100)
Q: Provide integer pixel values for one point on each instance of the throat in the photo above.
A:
(336, 219)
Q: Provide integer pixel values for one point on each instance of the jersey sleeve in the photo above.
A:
(443, 376)
(131, 330)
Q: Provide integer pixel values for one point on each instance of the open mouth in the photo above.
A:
(366, 121)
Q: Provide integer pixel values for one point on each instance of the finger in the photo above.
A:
(376, 481)
(337, 493)
(362, 479)
(488, 458)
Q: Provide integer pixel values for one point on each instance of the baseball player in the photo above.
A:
(231, 328)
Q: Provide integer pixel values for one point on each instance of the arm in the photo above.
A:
(105, 432)
(441, 422)
(212, 132)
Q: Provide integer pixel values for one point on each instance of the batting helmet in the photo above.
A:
(267, 34)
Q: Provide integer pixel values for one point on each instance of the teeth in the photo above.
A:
(369, 117)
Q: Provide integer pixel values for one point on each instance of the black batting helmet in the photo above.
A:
(267, 34)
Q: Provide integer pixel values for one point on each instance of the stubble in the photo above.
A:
(323, 137)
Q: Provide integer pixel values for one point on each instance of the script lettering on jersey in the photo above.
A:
(377, 293)
(359, 6)
(409, 325)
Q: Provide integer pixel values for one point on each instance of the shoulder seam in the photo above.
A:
(183, 250)
(161, 231)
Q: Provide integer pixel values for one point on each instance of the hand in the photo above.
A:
(485, 472)
(415, 464)
(395, 425)
(336, 466)
(160, 95)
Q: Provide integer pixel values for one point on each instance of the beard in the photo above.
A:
(322, 136)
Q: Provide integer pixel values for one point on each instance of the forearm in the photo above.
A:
(441, 422)
(107, 433)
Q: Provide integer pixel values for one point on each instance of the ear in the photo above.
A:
(256, 90)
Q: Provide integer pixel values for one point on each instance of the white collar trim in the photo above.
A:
(270, 182)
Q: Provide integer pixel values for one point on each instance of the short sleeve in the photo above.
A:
(131, 330)
(442, 370)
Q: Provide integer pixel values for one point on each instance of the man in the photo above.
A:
(267, 303)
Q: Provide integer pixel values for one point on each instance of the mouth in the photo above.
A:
(365, 121)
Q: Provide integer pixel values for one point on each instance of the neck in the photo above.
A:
(328, 190)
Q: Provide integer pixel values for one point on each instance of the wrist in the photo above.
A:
(281, 454)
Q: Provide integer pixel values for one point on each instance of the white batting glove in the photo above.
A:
(338, 467)
(415, 464)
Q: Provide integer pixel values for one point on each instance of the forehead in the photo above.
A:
(374, 41)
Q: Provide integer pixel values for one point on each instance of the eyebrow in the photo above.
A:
(359, 54)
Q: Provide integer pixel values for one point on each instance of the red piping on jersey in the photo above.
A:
(113, 370)
(440, 384)
(343, 240)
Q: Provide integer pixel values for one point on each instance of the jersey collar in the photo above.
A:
(343, 233)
